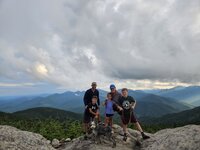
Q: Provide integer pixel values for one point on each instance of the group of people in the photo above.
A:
(121, 103)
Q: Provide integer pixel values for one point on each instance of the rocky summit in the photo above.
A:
(182, 138)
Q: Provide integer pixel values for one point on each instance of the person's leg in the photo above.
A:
(111, 122)
(138, 126)
(85, 122)
(107, 121)
(125, 128)
(125, 131)
(85, 127)
(144, 136)
(98, 118)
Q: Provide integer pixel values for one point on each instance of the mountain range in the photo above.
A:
(148, 104)
(190, 95)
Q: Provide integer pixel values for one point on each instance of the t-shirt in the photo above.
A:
(88, 96)
(116, 96)
(94, 108)
(125, 103)
(109, 106)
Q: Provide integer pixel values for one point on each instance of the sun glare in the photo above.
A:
(41, 68)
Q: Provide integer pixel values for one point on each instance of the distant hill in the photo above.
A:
(42, 113)
(153, 105)
(191, 116)
(45, 112)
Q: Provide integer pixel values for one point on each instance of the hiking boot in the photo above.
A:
(125, 137)
(86, 136)
(144, 136)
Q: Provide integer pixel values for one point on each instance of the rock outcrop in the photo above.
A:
(14, 139)
(182, 138)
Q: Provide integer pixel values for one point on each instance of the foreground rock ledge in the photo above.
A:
(12, 138)
(182, 138)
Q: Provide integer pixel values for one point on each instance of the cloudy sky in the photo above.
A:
(57, 45)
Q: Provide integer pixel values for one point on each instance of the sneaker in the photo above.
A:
(144, 136)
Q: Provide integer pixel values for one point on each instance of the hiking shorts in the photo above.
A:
(109, 115)
(86, 116)
(129, 118)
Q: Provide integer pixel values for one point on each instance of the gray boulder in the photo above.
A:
(14, 139)
(182, 138)
(55, 143)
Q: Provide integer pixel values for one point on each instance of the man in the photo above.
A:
(127, 104)
(89, 94)
(114, 93)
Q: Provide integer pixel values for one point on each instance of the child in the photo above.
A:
(127, 104)
(108, 110)
(94, 109)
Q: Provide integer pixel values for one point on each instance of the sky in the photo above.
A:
(58, 45)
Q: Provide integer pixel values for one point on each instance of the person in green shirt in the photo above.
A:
(127, 105)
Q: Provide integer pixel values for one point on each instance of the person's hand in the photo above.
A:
(132, 106)
(120, 108)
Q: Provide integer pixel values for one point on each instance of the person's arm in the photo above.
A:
(90, 110)
(104, 103)
(85, 99)
(133, 103)
(119, 104)
(98, 100)
(97, 111)
(120, 108)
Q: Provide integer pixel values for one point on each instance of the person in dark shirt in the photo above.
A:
(93, 109)
(88, 100)
(90, 93)
(127, 104)
(114, 93)
(115, 98)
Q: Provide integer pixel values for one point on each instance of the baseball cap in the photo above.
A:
(112, 86)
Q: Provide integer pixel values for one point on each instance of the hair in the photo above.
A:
(109, 94)
(95, 97)
(124, 89)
